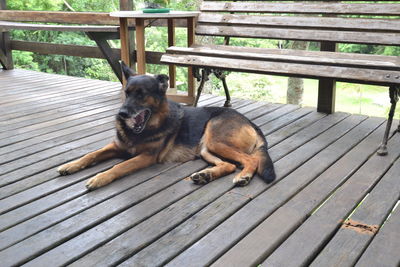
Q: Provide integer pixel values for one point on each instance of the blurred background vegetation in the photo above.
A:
(354, 98)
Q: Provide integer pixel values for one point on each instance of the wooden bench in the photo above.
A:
(99, 33)
(328, 23)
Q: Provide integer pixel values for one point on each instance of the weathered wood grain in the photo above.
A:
(360, 75)
(337, 24)
(303, 8)
(322, 224)
(350, 243)
(383, 251)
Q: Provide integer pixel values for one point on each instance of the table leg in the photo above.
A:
(140, 46)
(124, 36)
(190, 39)
(171, 42)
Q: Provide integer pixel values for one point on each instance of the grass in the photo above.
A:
(353, 98)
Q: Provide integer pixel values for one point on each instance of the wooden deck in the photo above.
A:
(327, 171)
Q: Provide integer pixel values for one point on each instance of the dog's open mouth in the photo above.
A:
(138, 121)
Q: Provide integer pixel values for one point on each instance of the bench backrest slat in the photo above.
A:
(384, 25)
(365, 23)
(304, 8)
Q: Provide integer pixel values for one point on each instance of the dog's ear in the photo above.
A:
(163, 82)
(126, 71)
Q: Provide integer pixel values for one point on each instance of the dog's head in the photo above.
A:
(145, 97)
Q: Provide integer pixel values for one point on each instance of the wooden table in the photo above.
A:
(140, 18)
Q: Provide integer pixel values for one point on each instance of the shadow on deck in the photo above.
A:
(326, 166)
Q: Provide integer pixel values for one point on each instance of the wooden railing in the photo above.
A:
(86, 18)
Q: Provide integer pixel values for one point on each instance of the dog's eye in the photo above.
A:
(139, 93)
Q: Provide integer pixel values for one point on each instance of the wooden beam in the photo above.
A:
(5, 46)
(105, 48)
(327, 86)
(90, 18)
(76, 50)
(128, 5)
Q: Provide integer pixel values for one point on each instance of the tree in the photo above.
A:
(295, 89)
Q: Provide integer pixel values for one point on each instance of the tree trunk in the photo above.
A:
(295, 87)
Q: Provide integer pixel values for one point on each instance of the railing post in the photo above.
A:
(127, 5)
(5, 45)
(327, 86)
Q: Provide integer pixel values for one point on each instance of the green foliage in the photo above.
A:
(351, 97)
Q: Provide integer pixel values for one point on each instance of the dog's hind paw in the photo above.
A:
(242, 180)
(201, 177)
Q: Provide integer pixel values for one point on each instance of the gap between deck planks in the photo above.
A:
(51, 220)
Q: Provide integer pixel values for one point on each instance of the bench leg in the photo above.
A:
(394, 93)
(204, 77)
(222, 77)
(5, 51)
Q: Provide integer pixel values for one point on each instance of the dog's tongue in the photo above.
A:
(139, 119)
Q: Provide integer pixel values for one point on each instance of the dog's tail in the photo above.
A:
(265, 166)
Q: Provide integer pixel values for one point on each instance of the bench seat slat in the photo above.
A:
(6, 25)
(304, 8)
(348, 74)
(297, 34)
(290, 55)
(388, 25)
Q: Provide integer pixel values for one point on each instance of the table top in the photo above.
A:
(140, 14)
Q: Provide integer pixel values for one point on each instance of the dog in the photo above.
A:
(152, 129)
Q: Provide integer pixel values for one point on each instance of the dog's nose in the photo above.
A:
(123, 112)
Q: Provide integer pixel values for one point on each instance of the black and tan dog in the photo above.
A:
(152, 129)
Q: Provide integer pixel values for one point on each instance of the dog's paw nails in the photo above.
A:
(68, 168)
(92, 184)
(242, 180)
(98, 181)
(201, 177)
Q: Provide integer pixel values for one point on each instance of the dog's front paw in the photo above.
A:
(69, 168)
(99, 180)
(242, 180)
(202, 177)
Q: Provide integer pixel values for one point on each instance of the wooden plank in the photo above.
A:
(90, 18)
(75, 50)
(384, 25)
(43, 105)
(214, 243)
(275, 125)
(69, 105)
(350, 243)
(69, 202)
(255, 246)
(6, 26)
(303, 8)
(381, 38)
(278, 68)
(25, 172)
(383, 251)
(304, 136)
(291, 55)
(60, 124)
(294, 127)
(22, 123)
(75, 225)
(263, 110)
(322, 224)
(100, 18)
(284, 109)
(19, 99)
